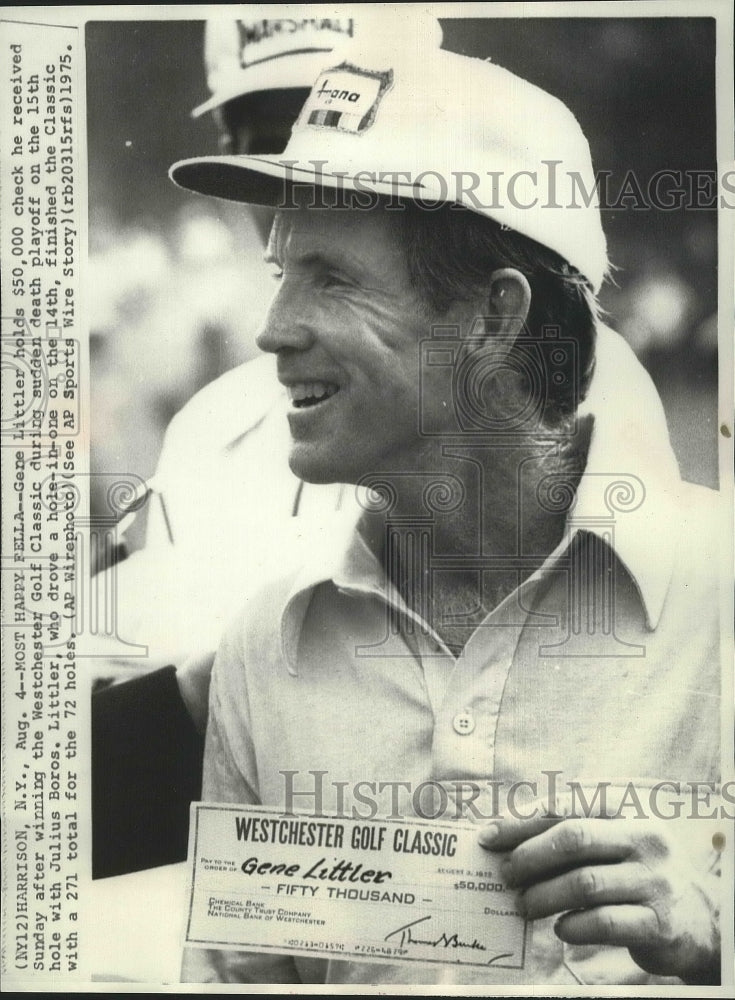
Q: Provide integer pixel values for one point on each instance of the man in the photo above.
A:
(508, 600)
(218, 462)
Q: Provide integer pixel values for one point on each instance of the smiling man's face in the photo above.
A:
(346, 326)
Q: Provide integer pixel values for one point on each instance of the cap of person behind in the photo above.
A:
(392, 113)
(248, 56)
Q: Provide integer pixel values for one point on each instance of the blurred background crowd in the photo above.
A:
(177, 283)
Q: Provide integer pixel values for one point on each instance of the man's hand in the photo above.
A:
(626, 882)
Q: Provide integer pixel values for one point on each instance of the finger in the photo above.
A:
(508, 832)
(629, 926)
(525, 820)
(585, 888)
(569, 844)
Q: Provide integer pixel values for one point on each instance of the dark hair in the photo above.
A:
(451, 254)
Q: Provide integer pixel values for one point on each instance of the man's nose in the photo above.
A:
(285, 325)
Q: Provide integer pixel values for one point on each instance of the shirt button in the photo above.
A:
(464, 723)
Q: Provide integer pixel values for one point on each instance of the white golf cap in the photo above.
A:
(397, 115)
(247, 56)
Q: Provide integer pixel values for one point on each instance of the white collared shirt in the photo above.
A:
(603, 666)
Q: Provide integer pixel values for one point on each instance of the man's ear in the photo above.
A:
(509, 301)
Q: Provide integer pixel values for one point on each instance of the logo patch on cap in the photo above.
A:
(345, 98)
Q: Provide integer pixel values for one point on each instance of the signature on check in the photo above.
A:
(405, 934)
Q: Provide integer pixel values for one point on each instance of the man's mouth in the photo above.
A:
(305, 394)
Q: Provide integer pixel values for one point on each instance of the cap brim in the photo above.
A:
(289, 71)
(263, 180)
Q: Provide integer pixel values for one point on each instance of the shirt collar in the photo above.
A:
(628, 495)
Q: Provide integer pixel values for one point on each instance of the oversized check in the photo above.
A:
(370, 890)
